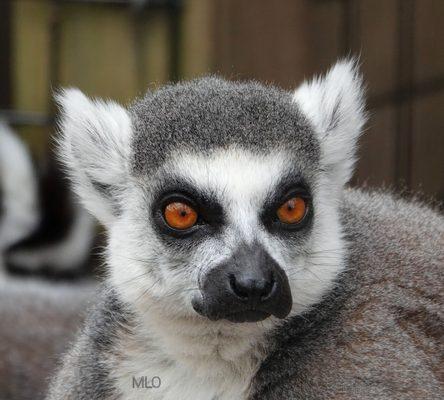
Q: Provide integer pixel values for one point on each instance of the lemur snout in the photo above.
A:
(249, 287)
(252, 288)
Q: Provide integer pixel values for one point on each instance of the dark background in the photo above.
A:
(119, 48)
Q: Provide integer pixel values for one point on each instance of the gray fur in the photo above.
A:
(379, 334)
(211, 113)
(88, 359)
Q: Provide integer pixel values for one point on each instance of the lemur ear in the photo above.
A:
(94, 145)
(334, 105)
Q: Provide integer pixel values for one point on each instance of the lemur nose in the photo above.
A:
(250, 288)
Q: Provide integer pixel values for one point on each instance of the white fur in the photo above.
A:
(197, 358)
(334, 105)
(66, 255)
(94, 145)
(19, 190)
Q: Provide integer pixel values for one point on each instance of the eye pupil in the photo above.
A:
(292, 211)
(180, 216)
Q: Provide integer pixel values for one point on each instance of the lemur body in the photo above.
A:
(38, 319)
(18, 206)
(43, 229)
(252, 299)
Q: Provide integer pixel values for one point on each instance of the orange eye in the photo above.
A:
(292, 211)
(180, 215)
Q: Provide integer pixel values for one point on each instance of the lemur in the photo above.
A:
(43, 230)
(18, 191)
(38, 318)
(240, 266)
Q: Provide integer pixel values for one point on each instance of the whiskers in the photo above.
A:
(327, 258)
(180, 291)
(316, 273)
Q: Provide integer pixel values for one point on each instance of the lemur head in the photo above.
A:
(221, 199)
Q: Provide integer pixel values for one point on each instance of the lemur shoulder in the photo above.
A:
(239, 264)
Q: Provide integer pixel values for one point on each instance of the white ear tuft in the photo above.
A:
(334, 105)
(94, 145)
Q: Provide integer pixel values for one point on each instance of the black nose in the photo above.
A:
(250, 286)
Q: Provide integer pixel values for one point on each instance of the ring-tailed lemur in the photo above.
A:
(37, 234)
(38, 319)
(18, 191)
(239, 267)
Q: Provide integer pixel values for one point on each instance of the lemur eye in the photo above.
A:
(180, 215)
(292, 211)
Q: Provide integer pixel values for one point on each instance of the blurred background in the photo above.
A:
(120, 48)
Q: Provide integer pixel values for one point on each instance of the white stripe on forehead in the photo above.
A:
(232, 174)
(239, 179)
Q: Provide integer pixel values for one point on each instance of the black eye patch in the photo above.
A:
(290, 186)
(210, 212)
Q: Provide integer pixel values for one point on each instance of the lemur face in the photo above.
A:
(228, 230)
(221, 199)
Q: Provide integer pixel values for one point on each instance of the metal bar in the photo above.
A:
(174, 38)
(5, 54)
(351, 33)
(139, 4)
(404, 134)
(15, 117)
(406, 94)
(54, 52)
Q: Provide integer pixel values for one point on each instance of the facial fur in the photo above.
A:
(235, 149)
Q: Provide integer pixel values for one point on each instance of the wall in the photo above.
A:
(114, 50)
